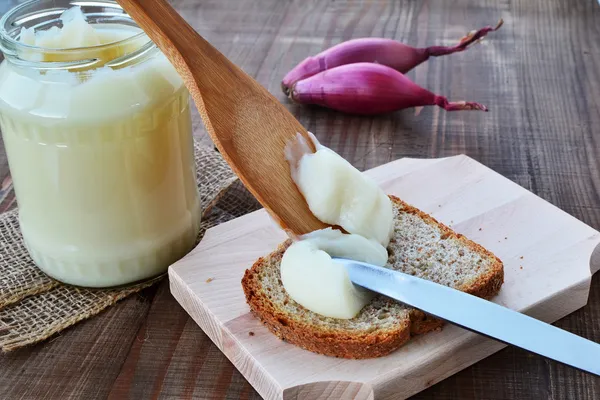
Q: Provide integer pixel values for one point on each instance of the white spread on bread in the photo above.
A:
(317, 282)
(337, 194)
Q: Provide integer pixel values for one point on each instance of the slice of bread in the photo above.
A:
(420, 246)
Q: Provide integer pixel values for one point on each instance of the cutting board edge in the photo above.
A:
(416, 160)
(223, 338)
(595, 258)
(328, 390)
(204, 243)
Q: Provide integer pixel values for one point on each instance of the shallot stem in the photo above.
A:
(466, 41)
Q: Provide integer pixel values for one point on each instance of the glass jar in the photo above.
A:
(99, 144)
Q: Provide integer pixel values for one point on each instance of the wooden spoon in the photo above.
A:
(249, 126)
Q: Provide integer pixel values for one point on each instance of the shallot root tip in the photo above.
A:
(458, 105)
(292, 94)
(476, 36)
(465, 42)
(285, 89)
(499, 24)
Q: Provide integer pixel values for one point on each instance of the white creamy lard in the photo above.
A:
(313, 279)
(337, 194)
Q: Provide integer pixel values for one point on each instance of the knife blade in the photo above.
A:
(478, 315)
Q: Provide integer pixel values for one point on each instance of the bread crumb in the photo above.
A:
(521, 267)
(521, 257)
(209, 280)
(250, 333)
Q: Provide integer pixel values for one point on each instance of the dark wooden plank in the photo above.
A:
(81, 362)
(540, 76)
(172, 358)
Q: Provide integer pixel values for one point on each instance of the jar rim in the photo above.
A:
(11, 46)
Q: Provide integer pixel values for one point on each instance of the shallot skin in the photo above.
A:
(369, 89)
(391, 53)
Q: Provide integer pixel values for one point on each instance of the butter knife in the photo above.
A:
(478, 315)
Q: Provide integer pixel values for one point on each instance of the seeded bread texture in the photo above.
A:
(420, 246)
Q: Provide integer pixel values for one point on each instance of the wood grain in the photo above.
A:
(540, 77)
(547, 274)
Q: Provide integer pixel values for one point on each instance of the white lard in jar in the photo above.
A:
(101, 153)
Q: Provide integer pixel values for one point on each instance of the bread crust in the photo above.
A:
(380, 342)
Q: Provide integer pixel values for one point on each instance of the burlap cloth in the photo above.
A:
(34, 307)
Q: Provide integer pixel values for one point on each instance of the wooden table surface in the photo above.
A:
(540, 77)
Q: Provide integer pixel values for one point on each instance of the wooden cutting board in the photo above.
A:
(549, 258)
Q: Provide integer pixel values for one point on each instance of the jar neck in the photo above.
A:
(42, 15)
